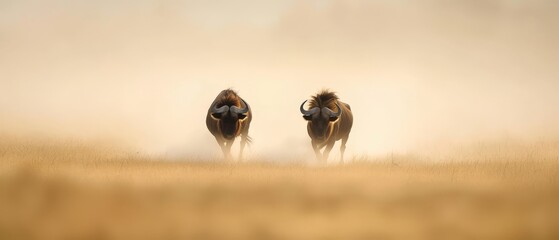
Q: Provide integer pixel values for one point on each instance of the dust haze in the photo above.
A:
(142, 74)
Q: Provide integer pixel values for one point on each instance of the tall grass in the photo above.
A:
(78, 191)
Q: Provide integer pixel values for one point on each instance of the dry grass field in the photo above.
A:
(103, 133)
(72, 191)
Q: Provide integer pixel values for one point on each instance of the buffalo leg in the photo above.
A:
(342, 148)
(221, 144)
(329, 147)
(227, 149)
(316, 151)
(243, 143)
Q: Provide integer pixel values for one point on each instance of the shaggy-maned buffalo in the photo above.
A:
(329, 120)
(228, 117)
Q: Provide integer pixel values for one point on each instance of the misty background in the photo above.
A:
(142, 74)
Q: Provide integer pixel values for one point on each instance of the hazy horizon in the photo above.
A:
(143, 73)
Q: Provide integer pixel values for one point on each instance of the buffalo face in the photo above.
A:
(320, 119)
(230, 119)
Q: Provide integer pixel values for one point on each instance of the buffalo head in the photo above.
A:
(230, 118)
(320, 118)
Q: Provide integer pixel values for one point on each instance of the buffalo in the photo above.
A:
(329, 120)
(228, 117)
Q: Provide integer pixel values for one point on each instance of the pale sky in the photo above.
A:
(143, 73)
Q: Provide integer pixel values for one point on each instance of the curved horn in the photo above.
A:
(237, 110)
(307, 112)
(332, 113)
(220, 110)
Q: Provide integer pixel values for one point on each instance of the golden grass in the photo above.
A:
(73, 191)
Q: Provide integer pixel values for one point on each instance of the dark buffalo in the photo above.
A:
(228, 117)
(329, 120)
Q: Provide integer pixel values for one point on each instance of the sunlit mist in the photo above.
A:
(142, 74)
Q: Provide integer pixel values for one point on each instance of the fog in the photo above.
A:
(142, 74)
